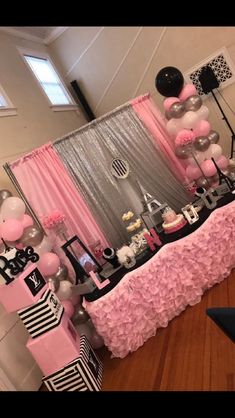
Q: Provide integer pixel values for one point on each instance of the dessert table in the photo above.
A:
(148, 297)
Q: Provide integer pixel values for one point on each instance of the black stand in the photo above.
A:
(227, 122)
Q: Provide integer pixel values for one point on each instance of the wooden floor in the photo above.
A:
(191, 354)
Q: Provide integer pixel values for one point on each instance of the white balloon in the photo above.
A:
(45, 246)
(65, 290)
(13, 208)
(189, 120)
(203, 113)
(214, 151)
(173, 126)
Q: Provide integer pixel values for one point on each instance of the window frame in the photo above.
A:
(9, 109)
(43, 55)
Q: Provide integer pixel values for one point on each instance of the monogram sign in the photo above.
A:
(10, 267)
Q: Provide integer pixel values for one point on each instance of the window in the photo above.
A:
(6, 106)
(49, 80)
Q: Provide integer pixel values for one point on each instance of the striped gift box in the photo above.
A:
(43, 315)
(82, 374)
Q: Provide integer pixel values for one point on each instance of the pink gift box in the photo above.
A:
(56, 348)
(24, 290)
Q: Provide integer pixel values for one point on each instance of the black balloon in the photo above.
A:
(169, 82)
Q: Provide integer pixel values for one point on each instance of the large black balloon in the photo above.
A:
(169, 82)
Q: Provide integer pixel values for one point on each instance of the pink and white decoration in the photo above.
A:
(195, 142)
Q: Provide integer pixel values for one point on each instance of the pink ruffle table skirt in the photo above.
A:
(150, 296)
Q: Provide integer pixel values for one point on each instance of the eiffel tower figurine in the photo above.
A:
(223, 177)
(151, 206)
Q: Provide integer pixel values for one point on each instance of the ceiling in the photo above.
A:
(42, 34)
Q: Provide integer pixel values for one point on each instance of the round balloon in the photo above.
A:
(169, 82)
(4, 194)
(201, 143)
(203, 113)
(65, 290)
(208, 168)
(45, 246)
(32, 235)
(80, 316)
(177, 110)
(96, 340)
(53, 283)
(203, 182)
(169, 101)
(213, 137)
(189, 120)
(182, 152)
(13, 208)
(173, 126)
(192, 172)
(214, 151)
(187, 91)
(222, 162)
(193, 103)
(83, 329)
(62, 273)
(48, 264)
(11, 229)
(27, 220)
(202, 128)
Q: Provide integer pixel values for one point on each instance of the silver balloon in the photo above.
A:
(182, 152)
(4, 194)
(62, 273)
(201, 143)
(202, 182)
(193, 103)
(96, 340)
(54, 283)
(213, 137)
(167, 115)
(80, 316)
(177, 110)
(32, 235)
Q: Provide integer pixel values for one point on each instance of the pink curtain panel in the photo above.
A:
(48, 186)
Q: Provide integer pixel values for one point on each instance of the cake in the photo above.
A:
(172, 221)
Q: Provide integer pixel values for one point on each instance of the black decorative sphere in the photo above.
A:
(169, 82)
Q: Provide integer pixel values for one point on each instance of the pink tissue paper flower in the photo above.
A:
(184, 137)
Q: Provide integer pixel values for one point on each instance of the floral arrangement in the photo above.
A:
(53, 220)
(184, 137)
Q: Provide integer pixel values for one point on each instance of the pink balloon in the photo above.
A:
(11, 230)
(68, 307)
(208, 168)
(169, 101)
(27, 221)
(49, 264)
(202, 128)
(75, 299)
(187, 91)
(222, 162)
(192, 172)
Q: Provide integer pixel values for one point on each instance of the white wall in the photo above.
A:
(35, 123)
(115, 64)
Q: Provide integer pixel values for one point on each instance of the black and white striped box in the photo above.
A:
(82, 374)
(43, 315)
